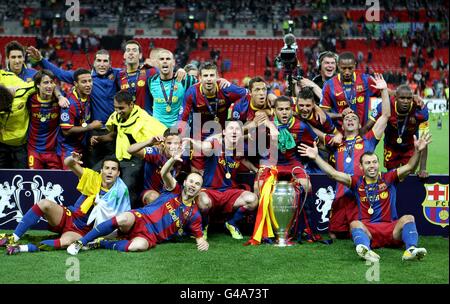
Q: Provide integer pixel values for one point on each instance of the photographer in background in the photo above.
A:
(326, 63)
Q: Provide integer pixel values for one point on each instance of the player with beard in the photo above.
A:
(378, 224)
(221, 160)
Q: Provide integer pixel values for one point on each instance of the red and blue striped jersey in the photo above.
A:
(44, 124)
(136, 84)
(154, 160)
(415, 116)
(352, 149)
(380, 196)
(243, 109)
(168, 216)
(75, 115)
(219, 164)
(337, 95)
(197, 102)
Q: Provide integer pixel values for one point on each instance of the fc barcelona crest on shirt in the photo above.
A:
(435, 205)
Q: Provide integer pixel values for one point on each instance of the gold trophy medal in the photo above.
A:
(228, 175)
(84, 124)
(399, 140)
(370, 210)
(168, 108)
(43, 119)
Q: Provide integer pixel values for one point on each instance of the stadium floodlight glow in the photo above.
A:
(191, 17)
(325, 17)
(57, 15)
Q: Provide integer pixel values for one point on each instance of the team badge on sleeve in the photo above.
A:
(65, 117)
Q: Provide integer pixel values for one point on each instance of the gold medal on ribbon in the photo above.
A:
(84, 124)
(370, 210)
(43, 119)
(168, 108)
(228, 175)
(399, 140)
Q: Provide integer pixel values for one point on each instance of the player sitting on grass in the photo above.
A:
(162, 220)
(104, 190)
(375, 192)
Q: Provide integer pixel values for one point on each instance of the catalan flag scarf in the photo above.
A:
(265, 218)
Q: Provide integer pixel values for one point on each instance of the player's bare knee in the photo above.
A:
(124, 220)
(204, 202)
(44, 204)
(251, 200)
(138, 245)
(408, 218)
(356, 224)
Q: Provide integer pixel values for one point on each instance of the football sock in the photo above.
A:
(29, 219)
(238, 216)
(102, 229)
(115, 245)
(410, 235)
(52, 243)
(28, 248)
(360, 237)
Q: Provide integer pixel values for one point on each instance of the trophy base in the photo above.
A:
(283, 243)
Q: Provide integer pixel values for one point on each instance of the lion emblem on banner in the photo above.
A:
(325, 197)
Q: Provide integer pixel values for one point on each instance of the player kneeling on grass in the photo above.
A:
(375, 192)
(164, 219)
(104, 195)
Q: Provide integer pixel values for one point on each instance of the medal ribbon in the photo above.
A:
(132, 88)
(371, 193)
(401, 130)
(215, 113)
(350, 146)
(183, 220)
(163, 89)
(352, 94)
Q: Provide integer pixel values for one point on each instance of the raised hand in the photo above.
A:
(156, 140)
(307, 151)
(346, 111)
(77, 157)
(34, 53)
(380, 83)
(180, 74)
(421, 143)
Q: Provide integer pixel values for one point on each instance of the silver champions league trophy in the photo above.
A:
(284, 206)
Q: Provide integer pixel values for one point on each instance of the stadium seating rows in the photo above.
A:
(247, 55)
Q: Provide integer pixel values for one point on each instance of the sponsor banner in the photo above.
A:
(434, 105)
(426, 201)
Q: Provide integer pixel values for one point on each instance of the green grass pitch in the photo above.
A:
(228, 261)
